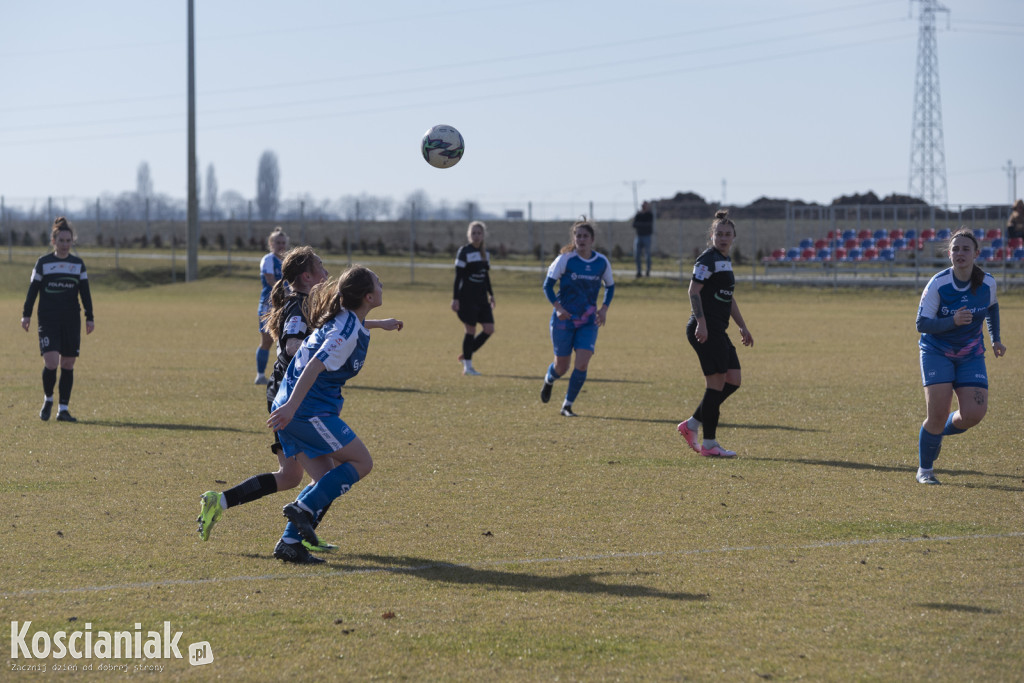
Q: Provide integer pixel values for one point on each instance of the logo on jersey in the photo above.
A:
(357, 364)
(701, 272)
(721, 266)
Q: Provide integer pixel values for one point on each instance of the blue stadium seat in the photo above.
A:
(986, 253)
(910, 234)
(854, 254)
(887, 255)
(792, 254)
(997, 242)
(867, 243)
(849, 235)
(942, 234)
(899, 243)
(806, 243)
(979, 234)
(1018, 254)
(880, 235)
(824, 254)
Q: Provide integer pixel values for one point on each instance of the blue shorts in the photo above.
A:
(937, 368)
(315, 436)
(262, 311)
(566, 336)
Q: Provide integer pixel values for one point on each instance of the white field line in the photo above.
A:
(499, 563)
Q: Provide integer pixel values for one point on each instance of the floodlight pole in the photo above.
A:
(192, 266)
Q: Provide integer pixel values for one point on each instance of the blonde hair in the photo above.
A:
(327, 299)
(483, 242)
(581, 224)
(278, 232)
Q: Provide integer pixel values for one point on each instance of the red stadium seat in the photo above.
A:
(895, 234)
(1000, 255)
(807, 254)
(839, 253)
(927, 234)
(778, 253)
(870, 254)
(851, 244)
(820, 244)
(863, 234)
(882, 243)
(1015, 242)
(993, 233)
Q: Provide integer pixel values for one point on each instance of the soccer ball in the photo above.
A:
(442, 146)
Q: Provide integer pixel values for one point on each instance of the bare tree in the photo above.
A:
(211, 193)
(268, 186)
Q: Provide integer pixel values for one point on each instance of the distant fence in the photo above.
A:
(758, 238)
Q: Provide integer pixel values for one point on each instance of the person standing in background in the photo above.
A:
(643, 224)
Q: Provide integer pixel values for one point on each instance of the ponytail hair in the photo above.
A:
(581, 224)
(61, 223)
(298, 261)
(327, 299)
(977, 274)
(721, 218)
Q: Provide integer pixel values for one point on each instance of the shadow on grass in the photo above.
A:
(846, 464)
(539, 377)
(404, 390)
(161, 425)
(953, 607)
(573, 583)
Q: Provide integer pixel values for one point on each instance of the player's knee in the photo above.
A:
(289, 477)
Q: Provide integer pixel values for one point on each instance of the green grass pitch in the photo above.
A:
(496, 540)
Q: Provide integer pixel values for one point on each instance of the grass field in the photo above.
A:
(496, 540)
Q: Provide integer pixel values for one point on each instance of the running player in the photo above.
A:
(472, 297)
(579, 272)
(953, 306)
(712, 304)
(59, 279)
(270, 273)
(286, 321)
(307, 407)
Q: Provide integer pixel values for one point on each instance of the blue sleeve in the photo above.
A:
(549, 289)
(934, 325)
(609, 292)
(993, 322)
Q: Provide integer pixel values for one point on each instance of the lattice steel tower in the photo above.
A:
(927, 151)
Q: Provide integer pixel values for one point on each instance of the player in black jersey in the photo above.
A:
(712, 304)
(59, 279)
(472, 297)
(287, 324)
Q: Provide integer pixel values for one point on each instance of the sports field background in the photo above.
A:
(496, 540)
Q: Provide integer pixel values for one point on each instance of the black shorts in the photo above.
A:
(717, 355)
(475, 311)
(62, 336)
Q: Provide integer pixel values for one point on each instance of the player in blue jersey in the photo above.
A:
(579, 272)
(954, 305)
(472, 297)
(270, 273)
(307, 407)
(59, 279)
(712, 304)
(301, 270)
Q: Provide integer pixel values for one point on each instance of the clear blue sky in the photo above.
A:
(558, 100)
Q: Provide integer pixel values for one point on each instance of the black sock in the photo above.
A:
(728, 390)
(480, 339)
(49, 380)
(67, 380)
(320, 515)
(467, 347)
(709, 408)
(251, 489)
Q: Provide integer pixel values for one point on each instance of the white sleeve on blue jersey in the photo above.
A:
(267, 265)
(930, 300)
(991, 282)
(557, 268)
(607, 278)
(337, 347)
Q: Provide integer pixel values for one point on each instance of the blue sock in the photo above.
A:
(576, 380)
(335, 483)
(291, 533)
(261, 360)
(552, 375)
(950, 429)
(928, 448)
